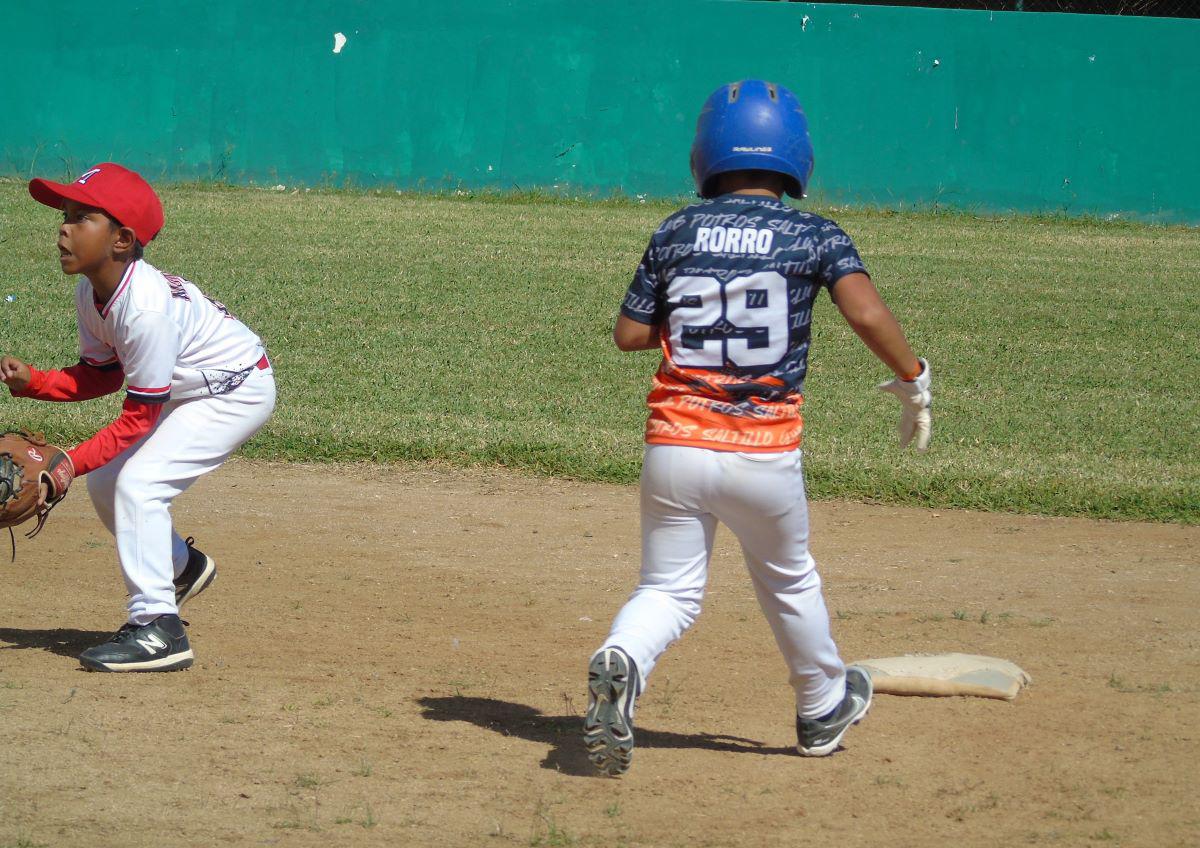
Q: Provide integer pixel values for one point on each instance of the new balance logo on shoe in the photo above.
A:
(151, 643)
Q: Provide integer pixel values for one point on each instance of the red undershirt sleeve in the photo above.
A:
(78, 382)
(137, 418)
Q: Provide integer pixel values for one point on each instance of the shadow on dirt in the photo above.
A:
(563, 733)
(66, 642)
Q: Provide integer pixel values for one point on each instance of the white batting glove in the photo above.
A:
(915, 417)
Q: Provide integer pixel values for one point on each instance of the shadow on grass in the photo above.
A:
(564, 733)
(66, 642)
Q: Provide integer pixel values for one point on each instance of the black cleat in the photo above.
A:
(816, 738)
(608, 726)
(161, 645)
(197, 575)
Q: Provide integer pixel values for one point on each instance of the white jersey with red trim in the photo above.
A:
(171, 340)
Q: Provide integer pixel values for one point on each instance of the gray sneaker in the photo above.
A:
(819, 738)
(608, 725)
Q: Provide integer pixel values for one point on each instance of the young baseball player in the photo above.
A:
(197, 385)
(726, 288)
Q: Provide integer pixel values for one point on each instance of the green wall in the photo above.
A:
(997, 111)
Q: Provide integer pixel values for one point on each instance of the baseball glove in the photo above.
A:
(27, 461)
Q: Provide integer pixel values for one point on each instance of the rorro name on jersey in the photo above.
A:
(733, 240)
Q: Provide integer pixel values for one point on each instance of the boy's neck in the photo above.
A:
(755, 183)
(759, 192)
(107, 277)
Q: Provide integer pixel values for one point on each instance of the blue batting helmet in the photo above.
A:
(752, 125)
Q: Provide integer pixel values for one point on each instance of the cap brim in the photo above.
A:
(53, 194)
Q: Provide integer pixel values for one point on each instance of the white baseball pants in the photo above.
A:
(760, 497)
(133, 493)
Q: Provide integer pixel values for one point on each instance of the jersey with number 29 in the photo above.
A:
(731, 283)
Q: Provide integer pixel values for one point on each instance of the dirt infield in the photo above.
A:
(402, 663)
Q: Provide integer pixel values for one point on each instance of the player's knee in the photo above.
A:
(682, 601)
(136, 482)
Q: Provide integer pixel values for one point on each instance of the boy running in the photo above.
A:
(726, 289)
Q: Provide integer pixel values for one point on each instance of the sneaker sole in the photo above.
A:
(173, 662)
(607, 734)
(207, 576)
(828, 748)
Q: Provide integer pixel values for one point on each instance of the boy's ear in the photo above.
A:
(126, 240)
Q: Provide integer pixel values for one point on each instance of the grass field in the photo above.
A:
(476, 330)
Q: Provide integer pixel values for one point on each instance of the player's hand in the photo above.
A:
(56, 479)
(14, 373)
(916, 420)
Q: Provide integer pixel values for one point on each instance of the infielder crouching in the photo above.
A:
(726, 288)
(197, 385)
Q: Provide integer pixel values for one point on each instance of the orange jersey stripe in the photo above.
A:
(709, 409)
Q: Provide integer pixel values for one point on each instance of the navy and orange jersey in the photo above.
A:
(731, 282)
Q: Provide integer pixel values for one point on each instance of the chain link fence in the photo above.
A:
(1153, 8)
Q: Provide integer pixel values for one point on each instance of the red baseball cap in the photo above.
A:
(118, 191)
